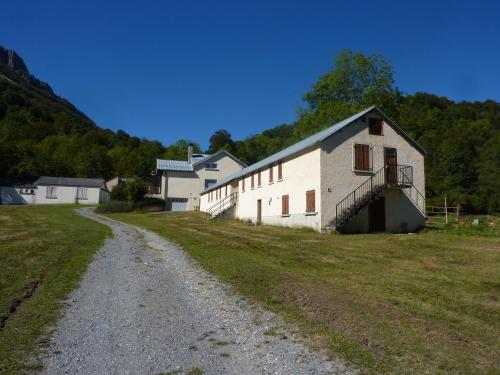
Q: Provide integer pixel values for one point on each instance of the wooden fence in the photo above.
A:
(443, 214)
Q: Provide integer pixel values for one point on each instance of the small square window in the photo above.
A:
(375, 126)
(211, 165)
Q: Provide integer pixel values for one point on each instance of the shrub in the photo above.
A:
(135, 190)
(146, 204)
(115, 206)
(119, 193)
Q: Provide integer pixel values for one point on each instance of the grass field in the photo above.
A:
(425, 303)
(43, 253)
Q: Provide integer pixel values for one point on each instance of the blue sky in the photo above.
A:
(182, 69)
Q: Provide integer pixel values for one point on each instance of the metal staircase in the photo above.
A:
(222, 206)
(389, 176)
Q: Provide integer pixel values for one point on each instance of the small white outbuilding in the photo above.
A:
(67, 190)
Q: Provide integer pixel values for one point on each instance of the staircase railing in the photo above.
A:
(388, 175)
(222, 205)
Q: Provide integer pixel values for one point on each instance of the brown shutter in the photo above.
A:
(358, 157)
(280, 170)
(252, 184)
(366, 157)
(243, 184)
(226, 190)
(311, 201)
(259, 181)
(284, 205)
(270, 173)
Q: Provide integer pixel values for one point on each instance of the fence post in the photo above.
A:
(445, 210)
(458, 213)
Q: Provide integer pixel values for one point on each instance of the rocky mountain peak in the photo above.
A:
(13, 66)
(12, 60)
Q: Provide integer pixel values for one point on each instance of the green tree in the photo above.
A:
(355, 80)
(221, 140)
(135, 189)
(178, 151)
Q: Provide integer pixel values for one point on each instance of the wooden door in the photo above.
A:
(259, 211)
(376, 213)
(391, 162)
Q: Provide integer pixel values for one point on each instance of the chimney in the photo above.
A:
(190, 153)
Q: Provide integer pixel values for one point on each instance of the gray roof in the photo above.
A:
(183, 165)
(174, 165)
(309, 142)
(70, 181)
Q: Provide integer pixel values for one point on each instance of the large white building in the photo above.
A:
(180, 182)
(362, 174)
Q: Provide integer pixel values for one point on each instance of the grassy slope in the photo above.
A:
(48, 246)
(426, 303)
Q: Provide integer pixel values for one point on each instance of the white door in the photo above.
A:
(178, 204)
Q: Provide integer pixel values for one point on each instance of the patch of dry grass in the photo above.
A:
(425, 303)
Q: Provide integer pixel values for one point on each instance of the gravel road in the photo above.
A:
(145, 307)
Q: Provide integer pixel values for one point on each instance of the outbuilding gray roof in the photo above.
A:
(70, 181)
(183, 165)
(309, 142)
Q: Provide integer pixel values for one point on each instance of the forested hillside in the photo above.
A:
(462, 139)
(43, 134)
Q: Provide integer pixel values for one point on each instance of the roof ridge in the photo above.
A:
(312, 140)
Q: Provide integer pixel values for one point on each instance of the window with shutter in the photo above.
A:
(362, 157)
(310, 201)
(284, 205)
(252, 184)
(270, 174)
(280, 171)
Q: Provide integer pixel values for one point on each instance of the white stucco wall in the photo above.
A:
(338, 178)
(67, 195)
(300, 174)
(207, 201)
(190, 184)
(28, 198)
